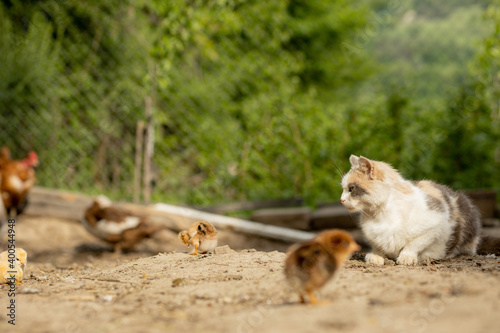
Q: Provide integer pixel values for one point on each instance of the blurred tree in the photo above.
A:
(251, 99)
(72, 78)
(250, 71)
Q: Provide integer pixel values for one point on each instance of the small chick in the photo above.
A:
(116, 225)
(201, 235)
(339, 243)
(311, 264)
(15, 268)
(308, 267)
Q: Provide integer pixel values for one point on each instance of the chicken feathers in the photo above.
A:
(201, 235)
(311, 264)
(117, 226)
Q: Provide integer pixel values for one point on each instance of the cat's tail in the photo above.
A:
(488, 245)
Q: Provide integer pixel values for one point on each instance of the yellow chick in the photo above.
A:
(311, 264)
(201, 235)
(15, 268)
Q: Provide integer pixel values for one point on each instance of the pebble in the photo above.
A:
(207, 295)
(107, 298)
(179, 282)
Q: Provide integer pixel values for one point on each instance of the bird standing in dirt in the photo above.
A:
(201, 235)
(116, 225)
(311, 264)
(12, 267)
(17, 178)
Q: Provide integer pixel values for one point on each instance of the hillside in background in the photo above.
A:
(426, 49)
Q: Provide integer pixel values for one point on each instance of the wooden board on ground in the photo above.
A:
(294, 217)
(57, 203)
(485, 200)
(330, 217)
(252, 205)
(186, 216)
(67, 205)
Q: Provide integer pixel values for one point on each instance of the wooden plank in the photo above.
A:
(295, 217)
(485, 200)
(251, 205)
(333, 217)
(68, 205)
(329, 204)
(172, 222)
(70, 212)
(186, 216)
(57, 203)
(40, 194)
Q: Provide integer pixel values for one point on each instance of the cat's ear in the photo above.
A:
(366, 166)
(354, 161)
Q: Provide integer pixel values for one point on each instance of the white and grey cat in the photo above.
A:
(408, 221)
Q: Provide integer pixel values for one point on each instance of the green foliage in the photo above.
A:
(436, 10)
(445, 128)
(66, 80)
(243, 95)
(251, 99)
(425, 55)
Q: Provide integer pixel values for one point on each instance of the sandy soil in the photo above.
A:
(74, 284)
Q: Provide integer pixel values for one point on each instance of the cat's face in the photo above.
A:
(363, 186)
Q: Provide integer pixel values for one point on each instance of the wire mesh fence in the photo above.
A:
(84, 91)
(212, 102)
(68, 96)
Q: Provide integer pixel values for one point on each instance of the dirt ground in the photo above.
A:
(73, 283)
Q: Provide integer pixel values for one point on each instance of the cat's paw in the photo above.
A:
(407, 259)
(375, 259)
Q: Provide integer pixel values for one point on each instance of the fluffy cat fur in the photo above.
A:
(408, 221)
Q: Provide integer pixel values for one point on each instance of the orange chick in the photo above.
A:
(311, 264)
(13, 268)
(116, 225)
(201, 235)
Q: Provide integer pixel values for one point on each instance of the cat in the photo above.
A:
(409, 221)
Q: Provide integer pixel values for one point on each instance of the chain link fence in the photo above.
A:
(206, 106)
(68, 96)
(82, 90)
